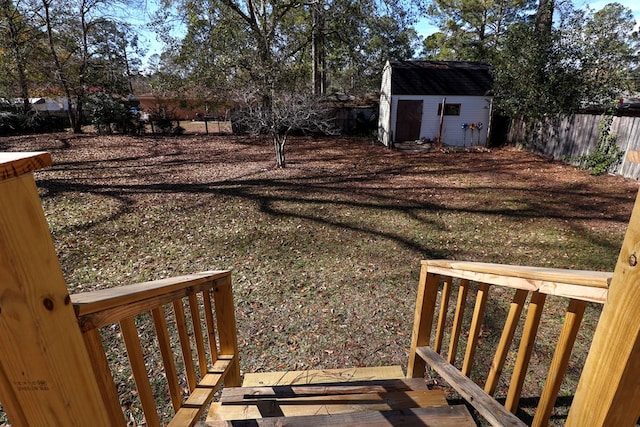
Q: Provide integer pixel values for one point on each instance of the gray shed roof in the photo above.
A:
(440, 78)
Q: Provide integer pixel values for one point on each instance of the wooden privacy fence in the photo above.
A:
(437, 340)
(573, 136)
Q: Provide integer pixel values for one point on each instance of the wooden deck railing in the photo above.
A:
(433, 317)
(209, 301)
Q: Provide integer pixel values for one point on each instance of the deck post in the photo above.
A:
(46, 376)
(227, 333)
(423, 320)
(609, 388)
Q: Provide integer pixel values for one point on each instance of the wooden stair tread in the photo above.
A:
(437, 416)
(308, 397)
(322, 376)
(236, 394)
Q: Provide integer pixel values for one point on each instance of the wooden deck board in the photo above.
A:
(328, 405)
(438, 416)
(322, 376)
(237, 394)
(489, 408)
(323, 392)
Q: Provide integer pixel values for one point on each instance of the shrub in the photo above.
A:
(109, 114)
(164, 120)
(38, 122)
(607, 155)
(9, 123)
(15, 122)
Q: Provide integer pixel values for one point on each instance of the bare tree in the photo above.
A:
(287, 113)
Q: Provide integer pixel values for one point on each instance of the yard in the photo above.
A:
(326, 252)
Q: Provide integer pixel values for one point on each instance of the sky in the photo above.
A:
(424, 28)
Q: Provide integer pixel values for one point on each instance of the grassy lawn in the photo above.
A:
(326, 252)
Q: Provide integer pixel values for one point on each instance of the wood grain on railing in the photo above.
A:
(442, 317)
(46, 373)
(164, 343)
(210, 305)
(506, 338)
(423, 318)
(579, 286)
(534, 314)
(457, 320)
(573, 318)
(474, 329)
(139, 369)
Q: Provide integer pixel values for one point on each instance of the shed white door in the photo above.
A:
(409, 120)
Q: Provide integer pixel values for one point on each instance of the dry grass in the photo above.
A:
(326, 252)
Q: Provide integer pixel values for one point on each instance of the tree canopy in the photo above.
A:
(322, 45)
(61, 48)
(548, 56)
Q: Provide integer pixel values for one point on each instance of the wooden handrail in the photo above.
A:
(51, 371)
(579, 286)
(212, 333)
(101, 307)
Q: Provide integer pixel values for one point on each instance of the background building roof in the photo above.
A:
(441, 78)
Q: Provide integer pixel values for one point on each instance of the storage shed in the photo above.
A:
(449, 101)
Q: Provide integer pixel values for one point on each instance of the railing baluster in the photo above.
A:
(100, 364)
(457, 320)
(139, 369)
(167, 357)
(474, 330)
(211, 328)
(442, 317)
(197, 331)
(185, 344)
(558, 368)
(536, 304)
(513, 318)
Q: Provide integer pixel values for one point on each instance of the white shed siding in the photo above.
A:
(473, 109)
(384, 115)
(49, 104)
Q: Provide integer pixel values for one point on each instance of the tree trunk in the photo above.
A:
(19, 58)
(278, 143)
(318, 50)
(59, 70)
(544, 22)
(544, 18)
(77, 126)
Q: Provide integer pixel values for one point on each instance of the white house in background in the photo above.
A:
(49, 104)
(412, 95)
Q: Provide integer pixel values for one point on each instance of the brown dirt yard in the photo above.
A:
(326, 253)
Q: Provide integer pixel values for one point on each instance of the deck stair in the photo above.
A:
(378, 396)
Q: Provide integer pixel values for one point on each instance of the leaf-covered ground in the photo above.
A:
(326, 252)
